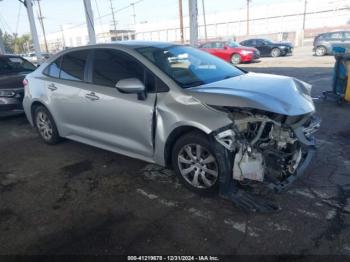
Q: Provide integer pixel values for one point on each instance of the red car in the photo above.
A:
(231, 51)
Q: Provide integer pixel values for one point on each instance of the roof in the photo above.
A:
(9, 55)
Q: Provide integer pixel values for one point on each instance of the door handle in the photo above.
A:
(52, 87)
(91, 96)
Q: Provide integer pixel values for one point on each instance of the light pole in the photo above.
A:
(205, 22)
(29, 6)
(181, 22)
(90, 21)
(248, 11)
(193, 11)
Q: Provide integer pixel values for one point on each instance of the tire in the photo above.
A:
(200, 175)
(320, 51)
(275, 52)
(45, 125)
(236, 59)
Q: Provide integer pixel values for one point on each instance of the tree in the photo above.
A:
(16, 44)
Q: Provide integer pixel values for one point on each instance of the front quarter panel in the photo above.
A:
(176, 109)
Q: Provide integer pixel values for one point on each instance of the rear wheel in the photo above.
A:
(195, 163)
(320, 51)
(236, 59)
(275, 52)
(45, 125)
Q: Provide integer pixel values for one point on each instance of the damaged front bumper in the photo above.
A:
(249, 160)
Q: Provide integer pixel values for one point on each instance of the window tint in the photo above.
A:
(347, 35)
(259, 42)
(110, 66)
(336, 36)
(218, 45)
(207, 45)
(73, 65)
(53, 69)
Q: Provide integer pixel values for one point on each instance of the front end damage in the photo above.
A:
(269, 148)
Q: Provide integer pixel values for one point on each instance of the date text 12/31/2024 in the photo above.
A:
(173, 258)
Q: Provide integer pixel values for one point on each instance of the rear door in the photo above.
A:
(65, 77)
(335, 39)
(262, 46)
(219, 49)
(117, 120)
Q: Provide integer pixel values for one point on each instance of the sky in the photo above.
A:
(13, 16)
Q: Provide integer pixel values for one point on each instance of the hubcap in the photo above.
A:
(320, 51)
(197, 166)
(275, 52)
(44, 125)
(235, 59)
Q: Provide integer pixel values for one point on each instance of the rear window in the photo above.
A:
(73, 66)
(53, 69)
(15, 64)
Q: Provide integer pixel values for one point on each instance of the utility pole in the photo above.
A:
(28, 4)
(193, 12)
(133, 13)
(113, 17)
(248, 11)
(181, 22)
(41, 18)
(304, 15)
(90, 21)
(63, 40)
(205, 22)
(2, 46)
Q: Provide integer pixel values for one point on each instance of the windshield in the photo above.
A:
(189, 66)
(15, 64)
(233, 44)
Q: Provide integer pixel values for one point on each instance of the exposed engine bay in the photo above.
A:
(268, 147)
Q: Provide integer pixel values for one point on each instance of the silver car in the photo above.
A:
(216, 125)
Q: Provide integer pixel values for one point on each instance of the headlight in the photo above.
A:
(246, 52)
(7, 93)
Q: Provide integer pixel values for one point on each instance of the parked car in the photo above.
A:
(12, 72)
(176, 106)
(324, 43)
(231, 51)
(33, 58)
(269, 48)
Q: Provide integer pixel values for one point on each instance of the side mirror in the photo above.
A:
(130, 86)
(225, 47)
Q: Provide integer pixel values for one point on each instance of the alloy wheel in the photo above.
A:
(44, 125)
(198, 166)
(320, 51)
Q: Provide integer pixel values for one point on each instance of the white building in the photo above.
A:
(277, 21)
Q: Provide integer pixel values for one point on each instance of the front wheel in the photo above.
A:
(236, 59)
(45, 125)
(320, 51)
(195, 163)
(275, 52)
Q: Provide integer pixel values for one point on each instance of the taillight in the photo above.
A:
(25, 83)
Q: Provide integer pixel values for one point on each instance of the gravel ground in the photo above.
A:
(76, 199)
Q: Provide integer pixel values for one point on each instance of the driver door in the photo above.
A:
(118, 121)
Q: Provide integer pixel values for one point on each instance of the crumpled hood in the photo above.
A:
(272, 93)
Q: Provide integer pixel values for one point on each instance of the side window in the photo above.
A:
(73, 65)
(207, 45)
(259, 43)
(110, 66)
(53, 70)
(347, 36)
(336, 36)
(219, 45)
